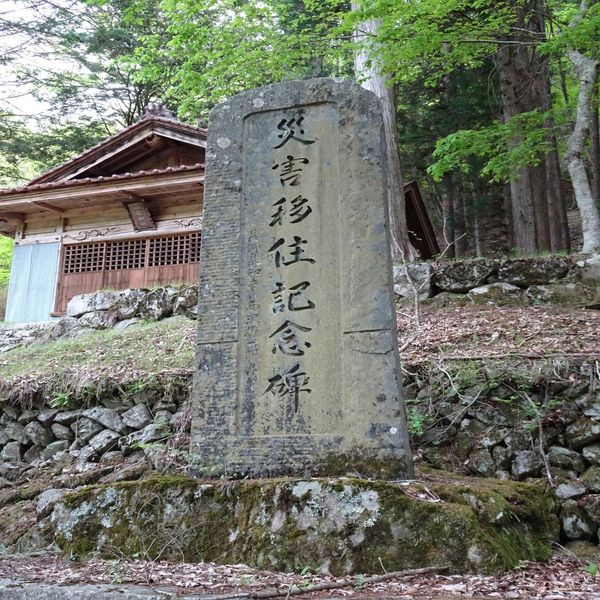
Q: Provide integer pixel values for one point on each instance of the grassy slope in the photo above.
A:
(101, 358)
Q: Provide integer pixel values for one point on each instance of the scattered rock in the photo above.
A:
(570, 489)
(482, 463)
(16, 432)
(85, 428)
(45, 417)
(496, 294)
(592, 454)
(67, 417)
(576, 524)
(418, 278)
(62, 432)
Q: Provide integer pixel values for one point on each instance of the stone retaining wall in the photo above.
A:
(145, 417)
(521, 420)
(562, 280)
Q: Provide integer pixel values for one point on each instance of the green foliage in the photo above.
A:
(6, 253)
(506, 147)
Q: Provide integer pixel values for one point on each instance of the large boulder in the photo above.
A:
(564, 294)
(98, 319)
(576, 522)
(85, 303)
(583, 432)
(525, 272)
(461, 276)
(130, 303)
(186, 302)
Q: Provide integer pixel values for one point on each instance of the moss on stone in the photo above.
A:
(341, 525)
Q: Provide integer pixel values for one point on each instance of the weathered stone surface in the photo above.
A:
(53, 449)
(45, 417)
(32, 454)
(15, 431)
(588, 269)
(99, 319)
(137, 417)
(121, 325)
(482, 463)
(583, 432)
(104, 441)
(98, 301)
(417, 282)
(566, 459)
(496, 294)
(107, 417)
(592, 454)
(339, 526)
(27, 416)
(279, 344)
(87, 454)
(40, 436)
(589, 404)
(151, 433)
(576, 523)
(591, 504)
(569, 489)
(85, 429)
(130, 303)
(87, 303)
(12, 452)
(66, 417)
(449, 299)
(461, 276)
(525, 272)
(526, 463)
(47, 499)
(62, 432)
(591, 479)
(186, 302)
(564, 294)
(157, 304)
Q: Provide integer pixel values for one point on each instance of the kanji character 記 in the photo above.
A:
(290, 170)
(290, 383)
(296, 252)
(293, 303)
(288, 340)
(300, 209)
(291, 129)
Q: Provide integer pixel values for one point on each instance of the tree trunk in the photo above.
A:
(448, 219)
(595, 158)
(372, 79)
(523, 83)
(587, 71)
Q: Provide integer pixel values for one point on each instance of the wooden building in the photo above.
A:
(126, 213)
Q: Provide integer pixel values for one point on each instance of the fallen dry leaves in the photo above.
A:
(562, 578)
(481, 332)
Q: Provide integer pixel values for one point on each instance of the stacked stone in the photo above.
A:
(554, 280)
(497, 435)
(140, 422)
(120, 309)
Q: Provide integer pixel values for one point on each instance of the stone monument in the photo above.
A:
(297, 367)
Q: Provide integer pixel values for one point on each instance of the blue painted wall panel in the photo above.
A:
(32, 283)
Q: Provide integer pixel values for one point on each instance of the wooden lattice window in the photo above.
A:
(174, 250)
(130, 254)
(177, 249)
(84, 258)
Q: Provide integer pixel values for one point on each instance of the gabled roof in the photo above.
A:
(124, 146)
